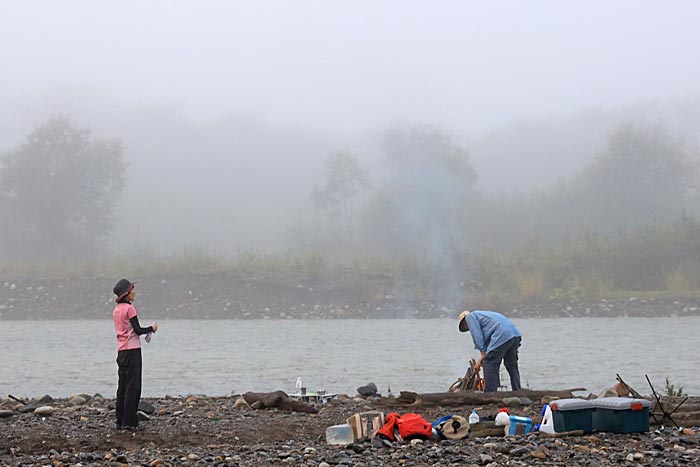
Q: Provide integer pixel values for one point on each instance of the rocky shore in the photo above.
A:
(223, 296)
(205, 431)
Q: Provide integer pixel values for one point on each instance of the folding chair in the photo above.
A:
(665, 414)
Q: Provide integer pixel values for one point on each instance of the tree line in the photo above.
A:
(626, 220)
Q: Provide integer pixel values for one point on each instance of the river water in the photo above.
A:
(223, 357)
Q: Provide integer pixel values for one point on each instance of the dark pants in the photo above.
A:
(129, 389)
(508, 354)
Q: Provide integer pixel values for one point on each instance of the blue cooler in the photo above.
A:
(572, 414)
(621, 415)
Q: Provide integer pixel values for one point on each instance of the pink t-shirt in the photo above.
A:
(126, 337)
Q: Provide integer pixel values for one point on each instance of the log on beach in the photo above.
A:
(484, 429)
(471, 397)
(277, 399)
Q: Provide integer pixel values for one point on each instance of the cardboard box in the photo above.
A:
(366, 424)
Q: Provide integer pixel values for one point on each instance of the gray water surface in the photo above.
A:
(223, 357)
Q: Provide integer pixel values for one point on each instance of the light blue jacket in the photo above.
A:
(490, 330)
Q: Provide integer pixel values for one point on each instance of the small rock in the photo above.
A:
(77, 400)
(44, 410)
(511, 401)
(241, 404)
(155, 462)
(484, 458)
(6, 413)
(368, 390)
(519, 451)
(146, 407)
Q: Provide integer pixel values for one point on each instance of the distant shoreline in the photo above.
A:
(221, 296)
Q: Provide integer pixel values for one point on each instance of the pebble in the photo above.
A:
(44, 411)
(226, 440)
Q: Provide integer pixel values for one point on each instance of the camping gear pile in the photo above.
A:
(394, 427)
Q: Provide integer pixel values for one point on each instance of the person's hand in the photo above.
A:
(154, 326)
(478, 363)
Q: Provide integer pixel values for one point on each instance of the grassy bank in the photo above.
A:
(488, 278)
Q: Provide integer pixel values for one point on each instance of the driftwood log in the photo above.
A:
(471, 397)
(279, 400)
(487, 428)
(685, 413)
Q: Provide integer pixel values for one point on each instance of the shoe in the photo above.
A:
(132, 428)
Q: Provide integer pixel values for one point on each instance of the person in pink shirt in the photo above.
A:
(129, 332)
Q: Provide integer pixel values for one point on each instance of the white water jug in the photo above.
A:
(547, 425)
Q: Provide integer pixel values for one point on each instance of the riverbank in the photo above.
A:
(225, 296)
(200, 430)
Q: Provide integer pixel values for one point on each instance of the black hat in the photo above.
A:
(122, 288)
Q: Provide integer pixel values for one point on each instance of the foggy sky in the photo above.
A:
(467, 66)
(532, 89)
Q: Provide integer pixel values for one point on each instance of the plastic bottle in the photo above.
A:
(298, 386)
(473, 417)
(340, 434)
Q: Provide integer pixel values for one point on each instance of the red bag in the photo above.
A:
(387, 430)
(412, 425)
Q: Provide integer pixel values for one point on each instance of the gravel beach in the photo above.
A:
(206, 431)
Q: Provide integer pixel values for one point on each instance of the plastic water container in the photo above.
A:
(547, 425)
(516, 421)
(340, 434)
(473, 417)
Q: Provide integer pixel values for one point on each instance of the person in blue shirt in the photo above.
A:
(497, 338)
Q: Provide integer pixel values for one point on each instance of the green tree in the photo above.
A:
(643, 175)
(345, 178)
(58, 190)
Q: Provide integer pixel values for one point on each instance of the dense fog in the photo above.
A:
(471, 124)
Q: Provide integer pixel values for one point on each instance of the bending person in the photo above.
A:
(497, 338)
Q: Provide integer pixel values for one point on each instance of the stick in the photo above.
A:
(18, 400)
